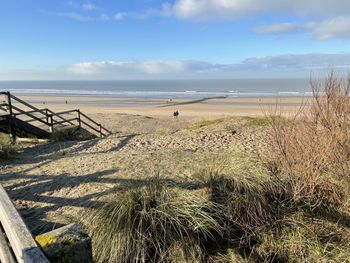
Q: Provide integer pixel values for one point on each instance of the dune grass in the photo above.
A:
(71, 134)
(152, 223)
(7, 148)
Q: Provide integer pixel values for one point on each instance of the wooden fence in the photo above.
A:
(13, 107)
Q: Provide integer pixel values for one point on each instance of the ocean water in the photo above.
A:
(162, 89)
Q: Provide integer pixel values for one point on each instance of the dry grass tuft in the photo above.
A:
(72, 134)
(7, 148)
(152, 223)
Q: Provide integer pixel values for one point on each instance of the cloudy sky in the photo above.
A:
(175, 39)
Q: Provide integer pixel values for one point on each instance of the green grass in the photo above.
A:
(267, 120)
(258, 121)
(205, 123)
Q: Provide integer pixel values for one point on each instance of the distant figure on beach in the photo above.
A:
(66, 102)
(176, 114)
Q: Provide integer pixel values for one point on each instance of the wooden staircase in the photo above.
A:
(22, 119)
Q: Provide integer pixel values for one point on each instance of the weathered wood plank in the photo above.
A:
(32, 140)
(6, 255)
(58, 116)
(21, 240)
(29, 115)
(65, 121)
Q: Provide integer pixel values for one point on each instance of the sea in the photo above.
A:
(162, 89)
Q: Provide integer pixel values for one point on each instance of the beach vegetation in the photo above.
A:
(7, 147)
(258, 121)
(71, 134)
(266, 121)
(291, 204)
(153, 223)
(205, 123)
(232, 130)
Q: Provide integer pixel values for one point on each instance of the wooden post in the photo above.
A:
(100, 129)
(50, 122)
(10, 111)
(9, 103)
(47, 116)
(79, 120)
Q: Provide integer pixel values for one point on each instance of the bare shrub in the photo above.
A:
(312, 154)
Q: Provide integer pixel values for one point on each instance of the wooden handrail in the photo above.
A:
(27, 104)
(48, 115)
(32, 111)
(96, 130)
(94, 122)
(30, 115)
(65, 112)
(59, 116)
(106, 130)
(6, 255)
(87, 117)
(21, 240)
(69, 120)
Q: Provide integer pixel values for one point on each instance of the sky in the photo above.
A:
(178, 39)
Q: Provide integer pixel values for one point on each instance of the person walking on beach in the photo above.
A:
(176, 114)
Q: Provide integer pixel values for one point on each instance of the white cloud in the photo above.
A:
(333, 22)
(299, 62)
(145, 67)
(89, 6)
(278, 28)
(231, 9)
(75, 16)
(331, 28)
(337, 27)
(269, 66)
(120, 16)
(292, 65)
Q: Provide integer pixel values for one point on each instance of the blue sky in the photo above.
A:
(178, 39)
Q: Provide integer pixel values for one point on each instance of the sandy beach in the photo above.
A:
(216, 107)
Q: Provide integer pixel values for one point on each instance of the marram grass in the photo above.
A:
(146, 224)
(7, 148)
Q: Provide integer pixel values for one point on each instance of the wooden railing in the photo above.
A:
(49, 118)
(22, 248)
